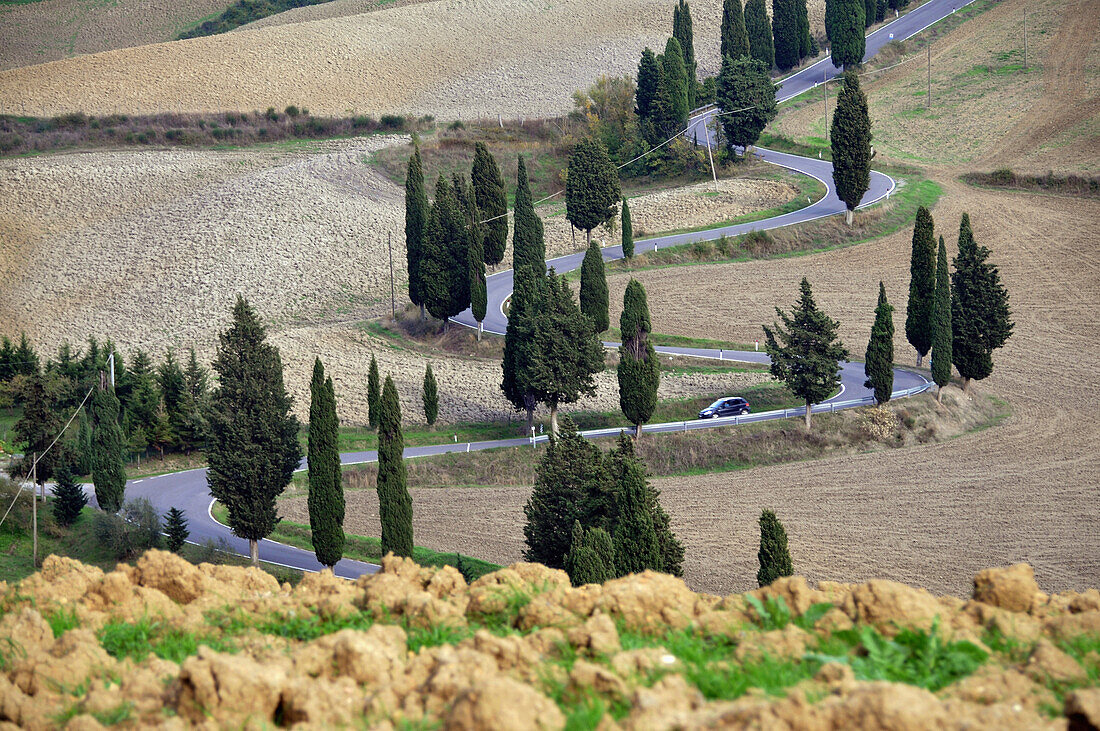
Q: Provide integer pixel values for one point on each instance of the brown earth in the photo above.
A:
(515, 649)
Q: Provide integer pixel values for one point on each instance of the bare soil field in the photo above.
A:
(986, 110)
(47, 30)
(427, 58)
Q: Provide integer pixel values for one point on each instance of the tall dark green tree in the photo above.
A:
(172, 391)
(492, 202)
(744, 84)
(374, 393)
(805, 41)
(7, 359)
(775, 559)
(639, 371)
(521, 357)
(196, 404)
(593, 295)
(68, 497)
(785, 31)
(143, 402)
(941, 324)
(591, 186)
(38, 426)
(416, 222)
(175, 528)
(635, 539)
(759, 29)
(870, 8)
(570, 352)
(980, 316)
(25, 360)
(326, 492)
(584, 562)
(645, 98)
(624, 465)
(627, 232)
(850, 138)
(734, 40)
(108, 470)
(922, 285)
(444, 265)
(683, 33)
(805, 351)
(394, 502)
(475, 262)
(528, 247)
(672, 94)
(845, 22)
(430, 396)
(571, 469)
(253, 448)
(879, 363)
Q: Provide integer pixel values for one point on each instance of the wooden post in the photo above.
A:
(929, 76)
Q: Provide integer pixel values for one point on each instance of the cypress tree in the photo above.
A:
(879, 363)
(374, 393)
(175, 527)
(683, 33)
(759, 29)
(635, 539)
(430, 396)
(583, 563)
(922, 285)
(68, 497)
(668, 546)
(593, 295)
(639, 372)
(785, 31)
(775, 559)
(108, 471)
(591, 186)
(570, 470)
(734, 34)
(628, 232)
(649, 79)
(845, 22)
(326, 493)
(253, 448)
(475, 263)
(805, 351)
(745, 82)
(805, 41)
(444, 266)
(980, 316)
(570, 353)
(941, 324)
(492, 201)
(599, 540)
(521, 356)
(870, 7)
(416, 221)
(850, 139)
(880, 10)
(38, 427)
(528, 247)
(394, 502)
(672, 96)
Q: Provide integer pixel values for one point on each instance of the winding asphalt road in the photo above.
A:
(188, 490)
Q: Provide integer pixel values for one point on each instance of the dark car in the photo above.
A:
(725, 407)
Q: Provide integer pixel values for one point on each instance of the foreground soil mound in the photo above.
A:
(171, 644)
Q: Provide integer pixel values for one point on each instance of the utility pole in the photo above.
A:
(111, 362)
(34, 506)
(929, 77)
(706, 133)
(393, 296)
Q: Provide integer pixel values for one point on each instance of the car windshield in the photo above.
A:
(717, 403)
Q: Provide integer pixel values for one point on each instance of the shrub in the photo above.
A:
(456, 125)
(391, 121)
(292, 111)
(361, 121)
(135, 531)
(272, 114)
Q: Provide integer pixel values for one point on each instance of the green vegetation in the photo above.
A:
(845, 24)
(326, 490)
(639, 372)
(775, 559)
(416, 222)
(733, 36)
(685, 36)
(941, 324)
(394, 503)
(1006, 178)
(850, 140)
(746, 89)
(593, 294)
(879, 359)
(759, 28)
(922, 284)
(241, 13)
(591, 186)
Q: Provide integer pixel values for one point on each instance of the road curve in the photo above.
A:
(188, 490)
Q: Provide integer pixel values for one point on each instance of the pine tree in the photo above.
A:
(628, 232)
(374, 393)
(922, 285)
(639, 372)
(734, 35)
(172, 390)
(38, 426)
(805, 40)
(475, 259)
(683, 33)
(394, 502)
(591, 186)
(68, 497)
(593, 295)
(521, 356)
(430, 396)
(775, 559)
(850, 138)
(7, 359)
(528, 248)
(196, 404)
(786, 34)
(570, 470)
(326, 493)
(635, 539)
(143, 403)
(175, 527)
(805, 351)
(649, 79)
(416, 221)
(492, 202)
(672, 96)
(24, 360)
(980, 316)
(621, 459)
(108, 471)
(845, 23)
(941, 324)
(759, 29)
(745, 84)
(879, 363)
(253, 449)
